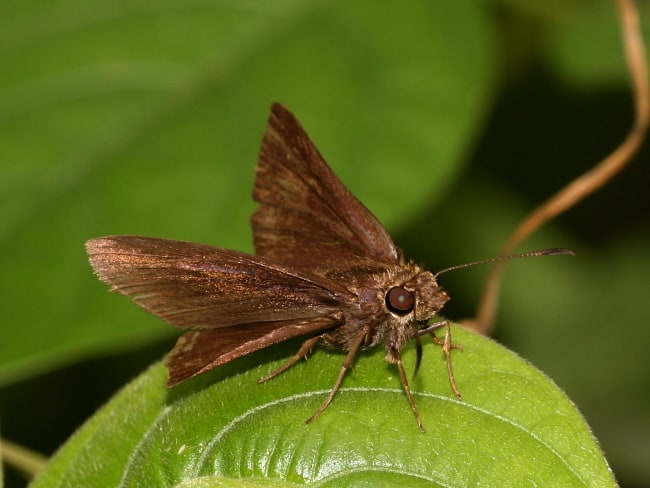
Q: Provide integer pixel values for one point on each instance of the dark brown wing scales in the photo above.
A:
(202, 350)
(199, 286)
(307, 217)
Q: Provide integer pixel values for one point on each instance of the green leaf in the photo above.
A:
(146, 118)
(514, 427)
(219, 482)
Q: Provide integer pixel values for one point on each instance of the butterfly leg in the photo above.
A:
(305, 349)
(447, 346)
(409, 394)
(418, 357)
(349, 359)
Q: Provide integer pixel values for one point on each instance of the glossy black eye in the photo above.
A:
(399, 300)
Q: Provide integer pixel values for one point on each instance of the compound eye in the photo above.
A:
(399, 300)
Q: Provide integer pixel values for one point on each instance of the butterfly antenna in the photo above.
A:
(542, 252)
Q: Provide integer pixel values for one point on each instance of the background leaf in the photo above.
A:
(513, 427)
(148, 120)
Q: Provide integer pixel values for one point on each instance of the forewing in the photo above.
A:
(199, 286)
(307, 217)
(199, 351)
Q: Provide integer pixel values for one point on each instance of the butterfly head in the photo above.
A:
(419, 298)
(410, 302)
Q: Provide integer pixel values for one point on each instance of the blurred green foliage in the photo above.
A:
(450, 120)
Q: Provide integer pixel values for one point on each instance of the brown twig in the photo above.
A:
(590, 181)
(25, 460)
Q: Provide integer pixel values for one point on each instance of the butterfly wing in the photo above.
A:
(199, 351)
(306, 214)
(203, 287)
